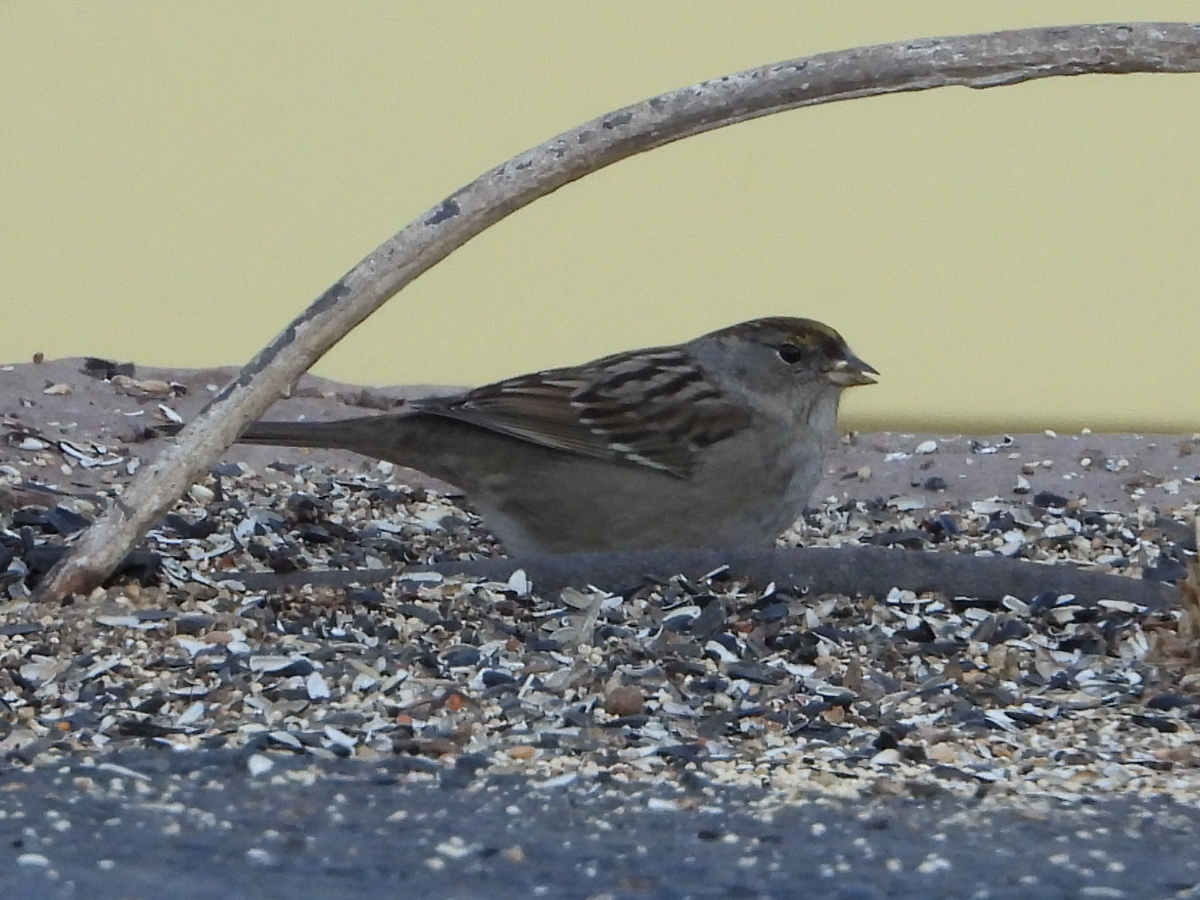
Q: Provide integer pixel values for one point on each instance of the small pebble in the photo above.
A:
(624, 701)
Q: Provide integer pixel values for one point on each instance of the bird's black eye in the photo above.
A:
(790, 353)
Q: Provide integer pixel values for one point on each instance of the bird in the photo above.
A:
(713, 443)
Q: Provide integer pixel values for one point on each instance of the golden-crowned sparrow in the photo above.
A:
(714, 443)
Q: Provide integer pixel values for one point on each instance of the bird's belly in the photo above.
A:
(552, 510)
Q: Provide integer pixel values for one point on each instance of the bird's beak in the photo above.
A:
(850, 371)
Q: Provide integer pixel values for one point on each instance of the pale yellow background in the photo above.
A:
(177, 180)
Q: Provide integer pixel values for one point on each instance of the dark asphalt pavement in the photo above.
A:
(194, 826)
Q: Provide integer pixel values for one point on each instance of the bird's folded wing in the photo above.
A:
(650, 408)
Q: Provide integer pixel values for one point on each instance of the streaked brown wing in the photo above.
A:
(650, 407)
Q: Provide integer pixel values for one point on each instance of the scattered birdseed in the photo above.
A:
(908, 694)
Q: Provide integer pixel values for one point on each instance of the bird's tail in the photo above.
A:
(335, 435)
(389, 437)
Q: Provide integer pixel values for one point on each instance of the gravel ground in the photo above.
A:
(696, 734)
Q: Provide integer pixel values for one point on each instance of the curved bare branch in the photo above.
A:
(976, 61)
